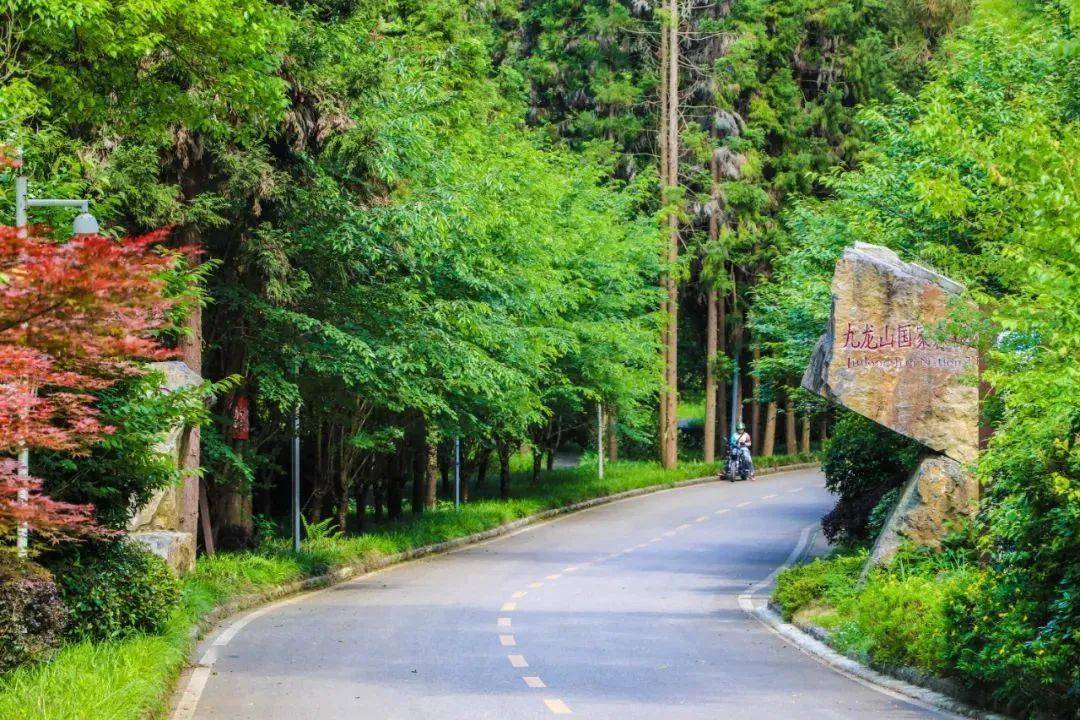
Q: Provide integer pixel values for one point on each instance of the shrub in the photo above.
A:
(1016, 632)
(902, 620)
(863, 461)
(125, 469)
(875, 523)
(825, 579)
(115, 589)
(32, 616)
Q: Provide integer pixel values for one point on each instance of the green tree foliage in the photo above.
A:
(976, 175)
(863, 462)
(389, 247)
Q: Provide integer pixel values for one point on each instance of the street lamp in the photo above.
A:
(85, 224)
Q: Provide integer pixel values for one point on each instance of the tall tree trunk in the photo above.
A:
(824, 437)
(789, 423)
(361, 510)
(503, 448)
(661, 141)
(671, 455)
(538, 456)
(446, 462)
(710, 372)
(482, 466)
(611, 434)
(432, 473)
(465, 471)
(769, 444)
(805, 435)
(343, 500)
(191, 349)
(418, 470)
(755, 405)
(721, 387)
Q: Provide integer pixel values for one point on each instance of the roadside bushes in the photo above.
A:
(862, 463)
(32, 616)
(1016, 633)
(825, 580)
(115, 589)
(900, 616)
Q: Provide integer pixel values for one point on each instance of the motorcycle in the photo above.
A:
(736, 466)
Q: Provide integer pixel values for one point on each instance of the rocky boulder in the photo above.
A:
(882, 356)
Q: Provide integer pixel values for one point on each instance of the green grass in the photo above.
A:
(132, 678)
(898, 616)
(692, 408)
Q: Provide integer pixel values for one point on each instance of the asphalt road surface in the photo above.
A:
(626, 611)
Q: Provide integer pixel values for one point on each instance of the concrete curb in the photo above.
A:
(363, 567)
(897, 681)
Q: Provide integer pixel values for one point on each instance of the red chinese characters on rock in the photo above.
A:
(868, 337)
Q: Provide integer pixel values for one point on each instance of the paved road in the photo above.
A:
(627, 611)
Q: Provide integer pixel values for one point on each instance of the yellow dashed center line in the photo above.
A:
(558, 707)
(555, 705)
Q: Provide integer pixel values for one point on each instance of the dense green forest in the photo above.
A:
(421, 221)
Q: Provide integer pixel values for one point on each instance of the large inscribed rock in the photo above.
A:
(881, 358)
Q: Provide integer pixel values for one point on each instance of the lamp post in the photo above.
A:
(600, 441)
(296, 478)
(85, 224)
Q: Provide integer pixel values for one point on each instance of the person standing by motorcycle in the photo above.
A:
(742, 440)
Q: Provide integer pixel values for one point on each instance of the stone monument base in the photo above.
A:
(176, 548)
(937, 496)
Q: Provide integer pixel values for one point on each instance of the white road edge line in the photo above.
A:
(833, 660)
(189, 700)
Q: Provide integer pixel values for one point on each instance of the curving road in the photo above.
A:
(626, 611)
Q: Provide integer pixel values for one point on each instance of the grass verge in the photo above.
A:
(900, 616)
(132, 679)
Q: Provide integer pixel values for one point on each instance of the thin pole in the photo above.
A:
(457, 473)
(734, 398)
(22, 542)
(296, 478)
(600, 440)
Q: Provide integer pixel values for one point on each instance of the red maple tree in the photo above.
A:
(74, 317)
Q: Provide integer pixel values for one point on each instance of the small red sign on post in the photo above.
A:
(241, 418)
